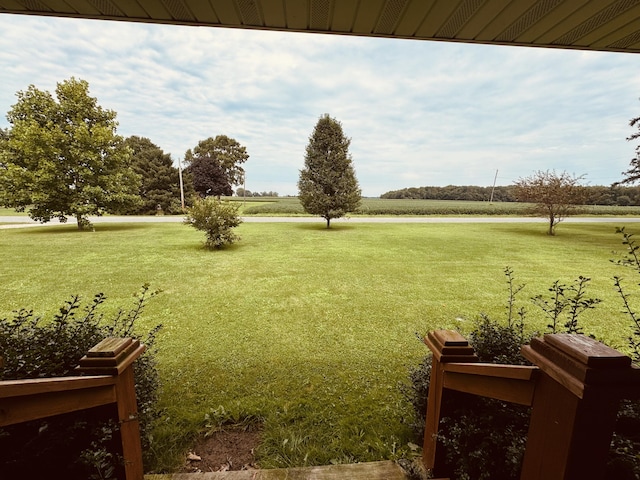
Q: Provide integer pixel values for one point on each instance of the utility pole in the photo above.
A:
(181, 184)
(494, 186)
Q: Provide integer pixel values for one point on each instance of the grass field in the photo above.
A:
(304, 329)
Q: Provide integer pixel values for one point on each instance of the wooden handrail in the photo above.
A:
(574, 391)
(109, 370)
(510, 383)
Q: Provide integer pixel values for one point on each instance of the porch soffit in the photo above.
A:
(601, 25)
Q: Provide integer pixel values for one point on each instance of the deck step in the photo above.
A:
(385, 470)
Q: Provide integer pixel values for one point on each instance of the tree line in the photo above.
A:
(593, 195)
(62, 157)
(241, 192)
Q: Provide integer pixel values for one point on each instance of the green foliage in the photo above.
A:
(378, 206)
(630, 259)
(454, 192)
(555, 195)
(63, 157)
(216, 219)
(594, 194)
(626, 440)
(82, 444)
(281, 206)
(241, 192)
(160, 182)
(567, 299)
(633, 174)
(215, 165)
(219, 418)
(328, 186)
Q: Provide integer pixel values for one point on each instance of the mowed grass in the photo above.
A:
(305, 330)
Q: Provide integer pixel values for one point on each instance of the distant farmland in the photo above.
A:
(380, 206)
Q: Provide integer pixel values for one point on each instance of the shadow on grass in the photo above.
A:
(322, 227)
(200, 247)
(577, 233)
(71, 227)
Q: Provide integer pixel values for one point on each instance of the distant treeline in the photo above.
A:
(241, 192)
(596, 195)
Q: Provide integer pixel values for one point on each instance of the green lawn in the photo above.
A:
(308, 330)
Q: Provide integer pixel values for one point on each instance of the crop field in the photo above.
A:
(304, 330)
(290, 206)
(379, 206)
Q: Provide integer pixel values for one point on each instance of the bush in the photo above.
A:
(217, 219)
(79, 445)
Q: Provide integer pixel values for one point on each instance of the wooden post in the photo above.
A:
(574, 406)
(115, 356)
(446, 346)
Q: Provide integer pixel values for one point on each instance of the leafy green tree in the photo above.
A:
(160, 180)
(216, 219)
(215, 165)
(328, 186)
(555, 195)
(208, 177)
(63, 158)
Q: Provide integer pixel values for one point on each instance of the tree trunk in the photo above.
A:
(551, 224)
(328, 222)
(83, 222)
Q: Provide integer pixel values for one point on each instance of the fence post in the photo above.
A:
(447, 346)
(574, 406)
(115, 356)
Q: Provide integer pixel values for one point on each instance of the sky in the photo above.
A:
(418, 113)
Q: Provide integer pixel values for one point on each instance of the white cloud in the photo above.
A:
(418, 113)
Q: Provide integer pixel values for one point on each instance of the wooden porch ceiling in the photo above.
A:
(602, 25)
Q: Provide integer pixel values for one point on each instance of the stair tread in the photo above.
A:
(384, 470)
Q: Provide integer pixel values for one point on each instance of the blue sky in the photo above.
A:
(418, 113)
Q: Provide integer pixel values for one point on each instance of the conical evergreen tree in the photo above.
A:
(328, 186)
(160, 185)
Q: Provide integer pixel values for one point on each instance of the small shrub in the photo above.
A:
(626, 440)
(569, 300)
(216, 219)
(78, 445)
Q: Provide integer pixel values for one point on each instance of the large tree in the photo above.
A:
(160, 180)
(555, 195)
(208, 177)
(328, 186)
(63, 158)
(215, 165)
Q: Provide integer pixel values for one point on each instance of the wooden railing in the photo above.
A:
(109, 379)
(574, 390)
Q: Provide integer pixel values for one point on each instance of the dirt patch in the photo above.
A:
(223, 451)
